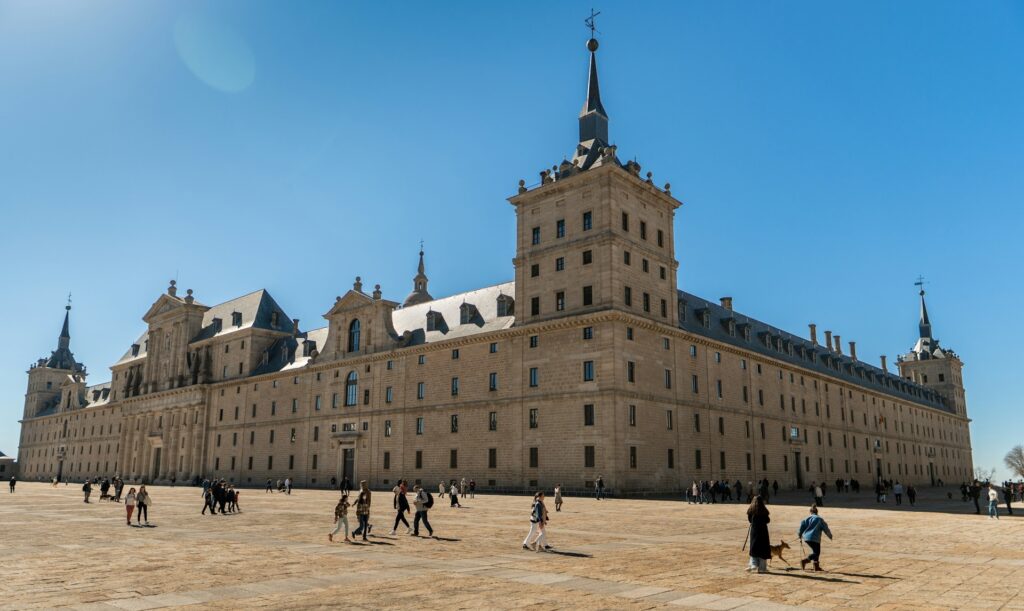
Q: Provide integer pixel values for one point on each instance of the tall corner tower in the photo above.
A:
(933, 366)
(46, 375)
(594, 235)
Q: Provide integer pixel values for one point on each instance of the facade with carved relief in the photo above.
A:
(589, 362)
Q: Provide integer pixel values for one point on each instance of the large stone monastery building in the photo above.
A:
(589, 362)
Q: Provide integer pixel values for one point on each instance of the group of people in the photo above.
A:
(976, 490)
(422, 501)
(284, 485)
(220, 493)
(809, 531)
(463, 489)
(884, 487)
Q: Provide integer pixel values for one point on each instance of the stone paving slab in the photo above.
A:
(276, 555)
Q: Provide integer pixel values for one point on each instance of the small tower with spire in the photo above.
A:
(419, 292)
(47, 374)
(932, 365)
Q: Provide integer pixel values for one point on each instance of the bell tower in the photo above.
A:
(594, 235)
(933, 366)
(46, 375)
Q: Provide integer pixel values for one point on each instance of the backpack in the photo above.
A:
(430, 500)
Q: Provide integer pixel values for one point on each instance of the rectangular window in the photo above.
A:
(625, 222)
(627, 296)
(668, 378)
(664, 308)
(694, 384)
(295, 405)
(291, 462)
(560, 301)
(721, 460)
(647, 302)
(560, 228)
(627, 258)
(588, 332)
(492, 458)
(535, 239)
(534, 457)
(420, 390)
(492, 383)
(671, 459)
(718, 385)
(630, 371)
(334, 401)
(588, 371)
(270, 462)
(492, 421)
(534, 341)
(643, 230)
(387, 428)
(535, 306)
(387, 460)
(632, 457)
(588, 457)
(455, 354)
(721, 425)
(588, 221)
(588, 257)
(661, 238)
(419, 459)
(533, 377)
(560, 264)
(588, 295)
(455, 423)
(316, 403)
(455, 387)
(493, 348)
(389, 394)
(533, 418)
(419, 426)
(632, 415)
(421, 359)
(453, 459)
(588, 415)
(696, 459)
(271, 436)
(668, 419)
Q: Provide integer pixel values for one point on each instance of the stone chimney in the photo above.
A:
(853, 350)
(814, 333)
(828, 340)
(884, 367)
(839, 344)
(295, 327)
(726, 303)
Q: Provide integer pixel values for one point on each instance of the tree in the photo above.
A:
(1014, 460)
(984, 475)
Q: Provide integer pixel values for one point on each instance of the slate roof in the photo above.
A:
(787, 347)
(291, 352)
(256, 308)
(485, 302)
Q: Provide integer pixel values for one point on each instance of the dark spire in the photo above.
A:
(62, 358)
(593, 118)
(925, 326)
(419, 292)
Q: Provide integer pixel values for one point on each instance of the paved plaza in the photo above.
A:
(635, 554)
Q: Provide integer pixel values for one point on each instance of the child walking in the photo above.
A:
(341, 518)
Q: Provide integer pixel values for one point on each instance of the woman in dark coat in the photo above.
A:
(760, 544)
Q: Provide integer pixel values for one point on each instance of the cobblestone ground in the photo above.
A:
(628, 554)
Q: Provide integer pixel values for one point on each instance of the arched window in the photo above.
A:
(353, 336)
(352, 385)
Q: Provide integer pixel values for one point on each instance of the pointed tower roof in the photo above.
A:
(62, 358)
(419, 292)
(925, 326)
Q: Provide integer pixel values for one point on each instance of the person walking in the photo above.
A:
(87, 490)
(340, 518)
(818, 494)
(270, 487)
(974, 490)
(775, 487)
(558, 497)
(911, 494)
(462, 488)
(760, 543)
(143, 501)
(208, 502)
(694, 492)
(402, 506)
(472, 488)
(440, 490)
(287, 485)
(129, 504)
(423, 503)
(897, 491)
(346, 485)
(538, 518)
(13, 482)
(118, 487)
(599, 488)
(993, 503)
(453, 494)
(1007, 496)
(363, 510)
(810, 531)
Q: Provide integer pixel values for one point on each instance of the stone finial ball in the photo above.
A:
(592, 45)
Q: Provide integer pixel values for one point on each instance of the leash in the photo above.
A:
(747, 539)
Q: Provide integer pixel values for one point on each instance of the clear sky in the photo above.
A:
(826, 154)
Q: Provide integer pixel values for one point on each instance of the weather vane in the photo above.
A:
(920, 283)
(589, 22)
(69, 300)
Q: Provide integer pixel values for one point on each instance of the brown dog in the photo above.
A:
(777, 551)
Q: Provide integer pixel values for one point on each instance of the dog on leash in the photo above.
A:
(777, 551)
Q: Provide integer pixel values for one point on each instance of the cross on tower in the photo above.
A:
(920, 283)
(69, 300)
(589, 22)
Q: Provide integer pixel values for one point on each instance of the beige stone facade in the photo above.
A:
(591, 362)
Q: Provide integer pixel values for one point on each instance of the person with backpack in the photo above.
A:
(423, 502)
(810, 531)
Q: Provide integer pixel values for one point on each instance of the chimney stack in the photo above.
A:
(814, 333)
(726, 303)
(839, 344)
(295, 327)
(884, 368)
(853, 350)
(828, 340)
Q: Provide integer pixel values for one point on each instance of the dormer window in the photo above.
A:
(216, 324)
(467, 312)
(135, 350)
(681, 306)
(704, 315)
(236, 319)
(730, 326)
(435, 321)
(274, 318)
(506, 305)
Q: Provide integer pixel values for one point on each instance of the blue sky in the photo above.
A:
(826, 154)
